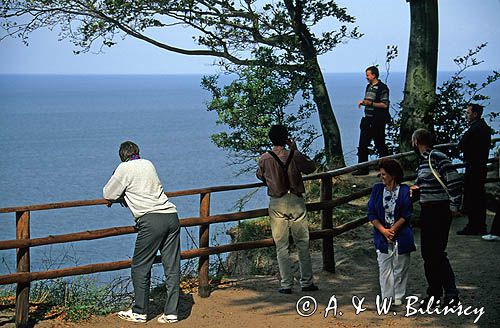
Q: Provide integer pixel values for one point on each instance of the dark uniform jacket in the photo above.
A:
(475, 145)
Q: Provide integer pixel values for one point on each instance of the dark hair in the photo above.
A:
(374, 70)
(392, 167)
(278, 135)
(476, 108)
(422, 137)
(127, 149)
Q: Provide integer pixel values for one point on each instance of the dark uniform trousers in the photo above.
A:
(372, 128)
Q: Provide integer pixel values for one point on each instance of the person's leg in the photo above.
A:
(386, 277)
(474, 203)
(428, 247)
(300, 233)
(479, 223)
(171, 258)
(379, 138)
(495, 226)
(365, 137)
(401, 265)
(146, 246)
(447, 275)
(280, 232)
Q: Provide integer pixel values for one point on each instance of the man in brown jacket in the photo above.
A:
(280, 169)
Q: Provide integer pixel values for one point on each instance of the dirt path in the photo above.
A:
(253, 301)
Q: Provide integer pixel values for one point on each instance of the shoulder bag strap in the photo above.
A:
(436, 175)
(284, 166)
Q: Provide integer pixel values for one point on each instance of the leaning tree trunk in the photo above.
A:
(421, 71)
(329, 126)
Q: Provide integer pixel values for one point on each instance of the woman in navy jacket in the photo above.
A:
(389, 210)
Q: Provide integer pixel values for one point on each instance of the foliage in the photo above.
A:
(230, 31)
(223, 28)
(254, 100)
(453, 96)
(79, 298)
(253, 261)
(73, 299)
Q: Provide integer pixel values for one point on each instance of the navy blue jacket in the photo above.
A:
(404, 236)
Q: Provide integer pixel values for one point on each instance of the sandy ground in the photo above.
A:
(254, 302)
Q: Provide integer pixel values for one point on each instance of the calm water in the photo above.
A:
(59, 137)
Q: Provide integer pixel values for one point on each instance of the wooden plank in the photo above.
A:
(193, 253)
(23, 265)
(332, 173)
(186, 222)
(327, 223)
(204, 234)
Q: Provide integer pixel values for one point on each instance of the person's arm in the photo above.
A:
(388, 233)
(115, 187)
(260, 171)
(397, 225)
(304, 164)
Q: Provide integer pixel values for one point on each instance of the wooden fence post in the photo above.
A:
(203, 267)
(327, 223)
(23, 265)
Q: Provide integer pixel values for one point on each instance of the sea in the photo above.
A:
(59, 140)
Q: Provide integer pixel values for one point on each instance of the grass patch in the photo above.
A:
(69, 299)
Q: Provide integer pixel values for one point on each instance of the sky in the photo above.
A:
(463, 24)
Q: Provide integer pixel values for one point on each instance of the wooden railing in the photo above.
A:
(23, 242)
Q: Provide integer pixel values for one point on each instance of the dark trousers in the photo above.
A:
(372, 128)
(435, 221)
(156, 232)
(475, 198)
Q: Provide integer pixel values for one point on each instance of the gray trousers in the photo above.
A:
(157, 231)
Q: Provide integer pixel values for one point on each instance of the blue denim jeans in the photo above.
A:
(288, 213)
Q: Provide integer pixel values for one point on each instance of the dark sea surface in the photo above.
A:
(59, 139)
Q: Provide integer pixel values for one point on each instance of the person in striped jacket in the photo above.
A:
(440, 189)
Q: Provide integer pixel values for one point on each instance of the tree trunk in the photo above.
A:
(329, 126)
(421, 71)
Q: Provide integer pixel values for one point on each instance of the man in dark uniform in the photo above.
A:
(372, 127)
(475, 145)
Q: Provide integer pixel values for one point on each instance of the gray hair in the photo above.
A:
(422, 137)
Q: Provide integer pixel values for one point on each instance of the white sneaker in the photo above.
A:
(168, 318)
(491, 237)
(398, 302)
(131, 316)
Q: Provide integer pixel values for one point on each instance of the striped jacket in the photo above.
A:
(430, 188)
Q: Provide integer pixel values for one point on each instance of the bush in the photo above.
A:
(452, 97)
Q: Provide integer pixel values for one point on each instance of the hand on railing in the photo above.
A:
(122, 202)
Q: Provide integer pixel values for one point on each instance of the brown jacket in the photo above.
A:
(271, 173)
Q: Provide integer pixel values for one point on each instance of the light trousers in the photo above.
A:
(288, 213)
(393, 272)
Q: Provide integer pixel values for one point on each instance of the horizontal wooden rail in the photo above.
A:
(57, 239)
(188, 192)
(186, 222)
(24, 277)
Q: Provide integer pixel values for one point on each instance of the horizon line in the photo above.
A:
(195, 74)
